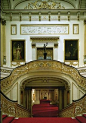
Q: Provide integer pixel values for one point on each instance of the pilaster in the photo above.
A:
(84, 41)
(65, 98)
(3, 42)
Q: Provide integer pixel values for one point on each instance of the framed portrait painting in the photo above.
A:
(18, 50)
(71, 50)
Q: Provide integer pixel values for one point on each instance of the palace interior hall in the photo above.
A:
(43, 61)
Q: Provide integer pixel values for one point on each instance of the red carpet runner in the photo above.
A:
(46, 120)
(44, 109)
(44, 113)
(78, 119)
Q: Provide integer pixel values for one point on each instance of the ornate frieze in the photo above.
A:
(35, 18)
(44, 29)
(44, 4)
(44, 18)
(53, 18)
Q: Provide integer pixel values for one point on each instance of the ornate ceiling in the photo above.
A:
(44, 4)
(20, 8)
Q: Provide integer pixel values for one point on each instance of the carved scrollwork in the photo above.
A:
(76, 108)
(44, 5)
(40, 66)
(12, 108)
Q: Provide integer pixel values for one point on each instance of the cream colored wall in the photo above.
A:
(9, 95)
(60, 49)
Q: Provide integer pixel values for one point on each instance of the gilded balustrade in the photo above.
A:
(13, 108)
(76, 108)
(41, 65)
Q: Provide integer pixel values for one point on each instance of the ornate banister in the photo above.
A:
(12, 108)
(40, 65)
(78, 107)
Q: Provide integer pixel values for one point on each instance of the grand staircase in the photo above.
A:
(16, 113)
(71, 114)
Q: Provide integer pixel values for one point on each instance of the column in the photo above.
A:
(65, 98)
(30, 101)
(84, 41)
(33, 51)
(27, 99)
(60, 99)
(24, 98)
(3, 43)
(55, 51)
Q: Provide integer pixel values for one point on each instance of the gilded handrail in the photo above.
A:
(40, 65)
(76, 108)
(13, 108)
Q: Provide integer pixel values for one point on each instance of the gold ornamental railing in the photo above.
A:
(12, 108)
(78, 107)
(43, 65)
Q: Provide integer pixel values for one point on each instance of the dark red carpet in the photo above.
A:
(81, 119)
(44, 110)
(78, 119)
(8, 120)
(46, 120)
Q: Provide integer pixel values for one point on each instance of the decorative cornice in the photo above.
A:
(44, 38)
(10, 14)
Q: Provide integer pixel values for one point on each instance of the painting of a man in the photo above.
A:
(71, 49)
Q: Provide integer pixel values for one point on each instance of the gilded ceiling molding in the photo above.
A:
(44, 4)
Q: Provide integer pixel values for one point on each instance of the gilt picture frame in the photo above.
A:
(18, 50)
(71, 50)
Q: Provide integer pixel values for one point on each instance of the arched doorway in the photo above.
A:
(54, 89)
